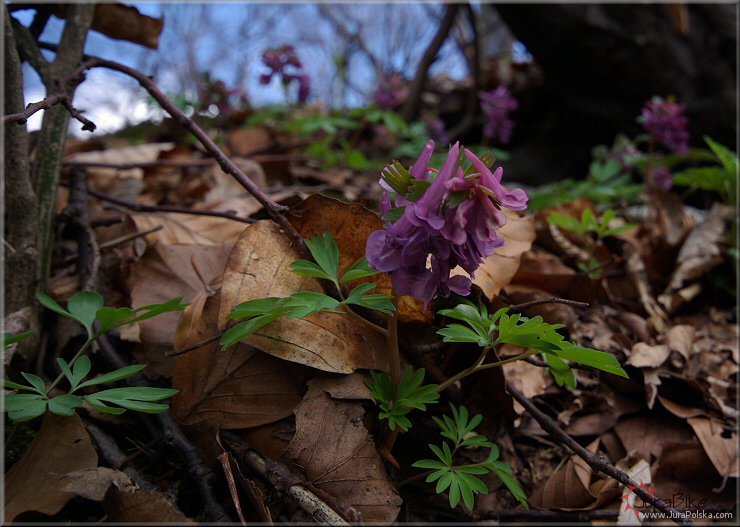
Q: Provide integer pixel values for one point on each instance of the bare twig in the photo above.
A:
(32, 108)
(597, 463)
(139, 207)
(117, 241)
(227, 165)
(87, 246)
(411, 108)
(281, 478)
(552, 300)
(181, 351)
(200, 474)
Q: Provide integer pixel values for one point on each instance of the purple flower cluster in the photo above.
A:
(664, 120)
(391, 91)
(497, 105)
(277, 60)
(453, 223)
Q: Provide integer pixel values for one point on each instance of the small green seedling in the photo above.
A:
(86, 307)
(262, 311)
(409, 394)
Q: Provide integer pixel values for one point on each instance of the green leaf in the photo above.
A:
(560, 371)
(35, 381)
(83, 307)
(108, 316)
(306, 268)
(152, 310)
(15, 386)
(380, 386)
(9, 338)
(64, 404)
(102, 407)
(394, 214)
(567, 223)
(133, 398)
(429, 464)
(727, 157)
(256, 307)
(505, 474)
(243, 329)
(113, 376)
(24, 406)
(458, 333)
(306, 302)
(594, 358)
(326, 254)
(360, 269)
(48, 303)
(81, 369)
(355, 296)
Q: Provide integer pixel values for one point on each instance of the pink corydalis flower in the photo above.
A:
(453, 223)
(391, 91)
(665, 122)
(497, 105)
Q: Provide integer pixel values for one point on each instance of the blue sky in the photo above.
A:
(227, 40)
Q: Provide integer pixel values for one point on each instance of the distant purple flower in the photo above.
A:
(625, 153)
(277, 60)
(662, 178)
(391, 91)
(436, 130)
(664, 120)
(452, 224)
(497, 105)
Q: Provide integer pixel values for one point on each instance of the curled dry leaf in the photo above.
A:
(646, 356)
(258, 267)
(719, 443)
(337, 455)
(239, 387)
(36, 482)
(699, 253)
(141, 507)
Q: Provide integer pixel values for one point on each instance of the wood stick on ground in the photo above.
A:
(280, 477)
(597, 463)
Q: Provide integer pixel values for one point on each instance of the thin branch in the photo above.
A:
(282, 479)
(597, 463)
(139, 207)
(203, 477)
(181, 351)
(471, 101)
(227, 165)
(411, 108)
(552, 300)
(32, 108)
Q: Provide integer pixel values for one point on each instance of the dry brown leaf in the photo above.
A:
(122, 23)
(543, 271)
(680, 410)
(679, 340)
(351, 224)
(141, 507)
(720, 449)
(701, 251)
(244, 141)
(93, 483)
(338, 456)
(258, 267)
(647, 356)
(187, 229)
(239, 387)
(34, 483)
(568, 487)
(497, 271)
(647, 432)
(166, 272)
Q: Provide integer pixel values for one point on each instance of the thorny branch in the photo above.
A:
(597, 463)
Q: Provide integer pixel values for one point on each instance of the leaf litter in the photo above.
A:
(296, 383)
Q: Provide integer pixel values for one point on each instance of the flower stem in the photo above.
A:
(71, 363)
(394, 358)
(480, 366)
